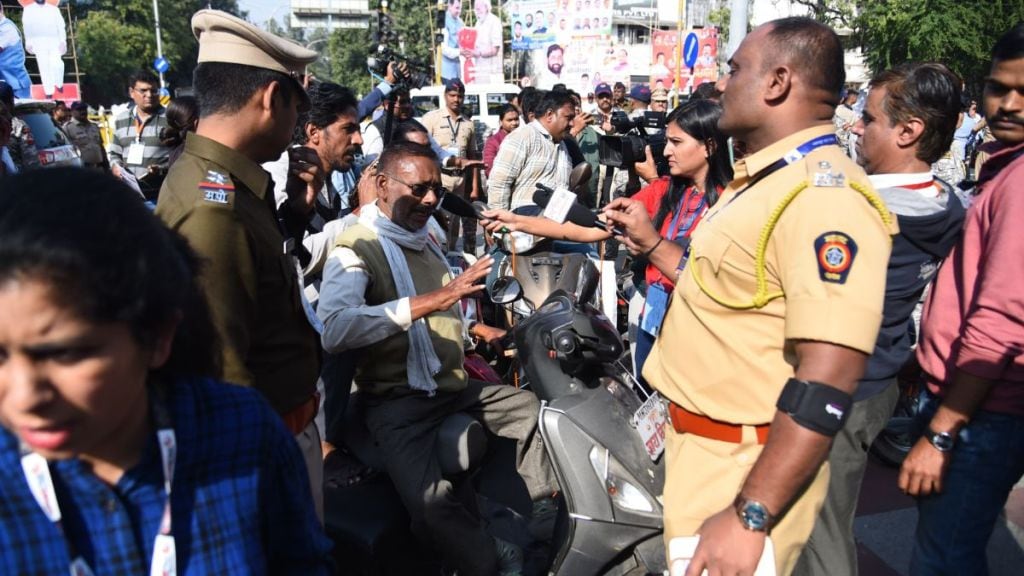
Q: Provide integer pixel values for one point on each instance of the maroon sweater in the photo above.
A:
(974, 317)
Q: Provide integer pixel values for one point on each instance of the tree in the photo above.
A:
(116, 37)
(348, 49)
(958, 33)
(838, 14)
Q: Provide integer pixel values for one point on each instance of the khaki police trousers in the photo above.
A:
(704, 476)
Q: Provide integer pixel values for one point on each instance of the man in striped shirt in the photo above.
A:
(533, 154)
(136, 150)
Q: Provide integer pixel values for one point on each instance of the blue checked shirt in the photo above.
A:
(240, 499)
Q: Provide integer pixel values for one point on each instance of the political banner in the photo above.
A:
(664, 54)
(536, 24)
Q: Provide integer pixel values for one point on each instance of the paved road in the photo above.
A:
(886, 519)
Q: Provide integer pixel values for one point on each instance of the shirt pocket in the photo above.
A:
(725, 270)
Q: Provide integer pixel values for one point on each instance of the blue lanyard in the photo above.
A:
(788, 158)
(674, 232)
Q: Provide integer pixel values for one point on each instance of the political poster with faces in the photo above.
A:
(665, 55)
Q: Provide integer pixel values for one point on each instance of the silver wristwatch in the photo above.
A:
(753, 514)
(943, 441)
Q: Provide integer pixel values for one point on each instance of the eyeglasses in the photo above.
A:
(420, 190)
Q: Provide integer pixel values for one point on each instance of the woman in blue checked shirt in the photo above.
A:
(119, 451)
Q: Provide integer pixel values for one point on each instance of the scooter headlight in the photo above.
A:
(622, 489)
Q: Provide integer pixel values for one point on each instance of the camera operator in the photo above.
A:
(373, 140)
(640, 100)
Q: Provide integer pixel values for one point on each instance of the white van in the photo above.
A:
(482, 105)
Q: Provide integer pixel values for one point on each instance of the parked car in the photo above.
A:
(53, 145)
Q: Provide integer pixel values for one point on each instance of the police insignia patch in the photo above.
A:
(835, 252)
(216, 187)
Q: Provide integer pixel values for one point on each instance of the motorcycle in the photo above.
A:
(604, 443)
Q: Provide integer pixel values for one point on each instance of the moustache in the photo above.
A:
(1008, 118)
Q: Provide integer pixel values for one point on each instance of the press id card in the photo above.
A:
(654, 309)
(136, 153)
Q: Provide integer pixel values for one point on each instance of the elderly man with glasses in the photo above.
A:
(389, 294)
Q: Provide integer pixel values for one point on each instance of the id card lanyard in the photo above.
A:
(40, 483)
(454, 129)
(657, 301)
(674, 232)
(794, 155)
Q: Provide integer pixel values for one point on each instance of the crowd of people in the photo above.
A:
(175, 314)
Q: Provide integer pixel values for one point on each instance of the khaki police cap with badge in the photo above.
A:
(226, 38)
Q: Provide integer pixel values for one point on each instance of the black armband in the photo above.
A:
(815, 406)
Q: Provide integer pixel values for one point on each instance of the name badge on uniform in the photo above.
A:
(136, 153)
(654, 309)
(826, 178)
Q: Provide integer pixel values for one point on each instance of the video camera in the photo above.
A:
(626, 148)
(416, 75)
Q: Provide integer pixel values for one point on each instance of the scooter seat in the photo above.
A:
(461, 444)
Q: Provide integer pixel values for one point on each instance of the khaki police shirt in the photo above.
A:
(828, 254)
(455, 134)
(86, 136)
(222, 203)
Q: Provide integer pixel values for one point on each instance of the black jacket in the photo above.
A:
(929, 227)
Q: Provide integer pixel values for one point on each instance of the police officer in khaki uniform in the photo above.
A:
(775, 311)
(219, 197)
(454, 132)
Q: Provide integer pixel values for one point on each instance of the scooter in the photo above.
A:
(604, 443)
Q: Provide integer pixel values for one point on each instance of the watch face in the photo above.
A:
(755, 516)
(943, 441)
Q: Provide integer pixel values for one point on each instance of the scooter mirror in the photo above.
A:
(506, 290)
(580, 176)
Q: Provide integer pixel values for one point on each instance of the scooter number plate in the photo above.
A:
(650, 421)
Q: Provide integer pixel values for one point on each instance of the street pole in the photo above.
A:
(680, 24)
(737, 25)
(159, 41)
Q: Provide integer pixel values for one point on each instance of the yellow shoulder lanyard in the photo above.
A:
(761, 296)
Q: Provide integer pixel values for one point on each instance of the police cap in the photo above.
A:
(226, 38)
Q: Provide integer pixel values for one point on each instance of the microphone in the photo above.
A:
(479, 207)
(578, 214)
(460, 207)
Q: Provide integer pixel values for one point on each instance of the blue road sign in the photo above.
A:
(690, 47)
(161, 64)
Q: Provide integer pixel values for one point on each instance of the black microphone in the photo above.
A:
(460, 207)
(479, 207)
(578, 214)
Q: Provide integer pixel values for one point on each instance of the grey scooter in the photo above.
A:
(592, 423)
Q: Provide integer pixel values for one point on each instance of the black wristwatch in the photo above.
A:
(753, 515)
(943, 441)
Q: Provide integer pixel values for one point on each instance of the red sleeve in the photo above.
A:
(993, 332)
(490, 152)
(652, 194)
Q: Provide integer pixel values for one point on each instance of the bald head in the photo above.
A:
(808, 48)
